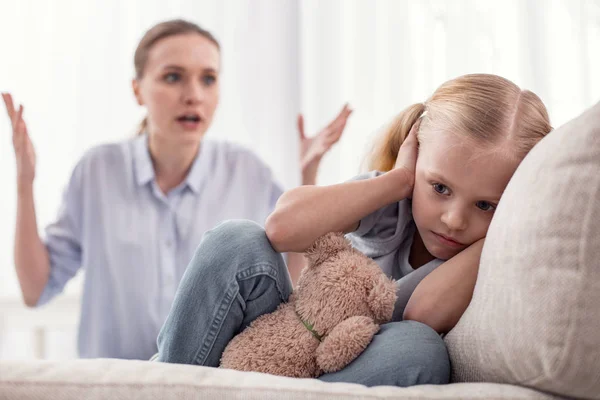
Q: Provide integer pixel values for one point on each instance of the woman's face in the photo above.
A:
(180, 87)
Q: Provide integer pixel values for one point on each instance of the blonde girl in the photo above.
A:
(422, 214)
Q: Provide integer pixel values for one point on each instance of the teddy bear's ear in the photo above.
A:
(382, 299)
(326, 247)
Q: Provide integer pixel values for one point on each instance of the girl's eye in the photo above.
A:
(440, 188)
(485, 206)
(209, 80)
(172, 77)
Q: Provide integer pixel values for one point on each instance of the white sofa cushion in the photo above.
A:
(534, 319)
(129, 380)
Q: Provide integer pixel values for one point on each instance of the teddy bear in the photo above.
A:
(341, 298)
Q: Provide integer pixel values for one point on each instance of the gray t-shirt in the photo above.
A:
(386, 236)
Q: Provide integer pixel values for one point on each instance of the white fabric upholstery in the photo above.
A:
(128, 380)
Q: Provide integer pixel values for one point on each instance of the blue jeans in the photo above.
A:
(236, 276)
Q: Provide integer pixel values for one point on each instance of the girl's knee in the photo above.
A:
(232, 236)
(235, 244)
(234, 231)
(415, 349)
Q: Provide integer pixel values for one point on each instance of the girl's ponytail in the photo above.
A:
(383, 157)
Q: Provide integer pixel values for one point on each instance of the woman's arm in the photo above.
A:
(32, 261)
(307, 212)
(312, 151)
(295, 263)
(443, 296)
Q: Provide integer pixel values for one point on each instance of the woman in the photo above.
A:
(134, 212)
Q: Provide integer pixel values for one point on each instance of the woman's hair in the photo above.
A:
(156, 33)
(486, 108)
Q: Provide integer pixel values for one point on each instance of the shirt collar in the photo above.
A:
(200, 167)
(144, 169)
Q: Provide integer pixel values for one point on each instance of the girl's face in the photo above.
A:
(457, 188)
(180, 86)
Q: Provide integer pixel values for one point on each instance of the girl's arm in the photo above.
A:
(443, 296)
(307, 212)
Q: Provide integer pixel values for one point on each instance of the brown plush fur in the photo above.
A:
(342, 293)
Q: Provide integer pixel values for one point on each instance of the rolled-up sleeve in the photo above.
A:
(63, 239)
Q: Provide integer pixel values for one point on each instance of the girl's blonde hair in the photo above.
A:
(487, 108)
(158, 32)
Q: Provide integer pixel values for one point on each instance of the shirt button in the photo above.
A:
(169, 243)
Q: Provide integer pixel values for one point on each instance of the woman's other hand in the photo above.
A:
(314, 148)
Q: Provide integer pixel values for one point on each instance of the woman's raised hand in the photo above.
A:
(312, 149)
(24, 151)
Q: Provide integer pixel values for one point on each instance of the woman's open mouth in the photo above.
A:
(189, 121)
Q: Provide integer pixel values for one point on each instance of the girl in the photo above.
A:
(422, 219)
(134, 212)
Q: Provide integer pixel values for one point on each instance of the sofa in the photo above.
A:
(531, 331)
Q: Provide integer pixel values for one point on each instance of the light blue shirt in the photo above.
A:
(134, 242)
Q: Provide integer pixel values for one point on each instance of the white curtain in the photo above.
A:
(70, 63)
(384, 55)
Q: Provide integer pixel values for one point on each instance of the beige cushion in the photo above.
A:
(535, 315)
(128, 380)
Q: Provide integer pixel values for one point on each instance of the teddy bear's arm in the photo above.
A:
(345, 342)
